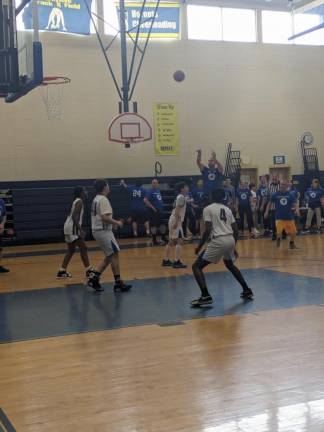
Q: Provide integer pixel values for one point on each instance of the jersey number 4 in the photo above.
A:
(223, 215)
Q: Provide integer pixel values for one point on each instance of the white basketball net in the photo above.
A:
(53, 94)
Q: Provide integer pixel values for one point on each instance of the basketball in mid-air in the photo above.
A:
(179, 76)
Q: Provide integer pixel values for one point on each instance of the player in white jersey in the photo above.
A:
(222, 232)
(175, 228)
(74, 234)
(102, 223)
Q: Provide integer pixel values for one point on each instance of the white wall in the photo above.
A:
(259, 97)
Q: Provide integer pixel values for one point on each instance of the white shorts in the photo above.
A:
(176, 233)
(70, 238)
(106, 241)
(222, 247)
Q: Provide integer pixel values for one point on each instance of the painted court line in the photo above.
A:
(74, 309)
(5, 424)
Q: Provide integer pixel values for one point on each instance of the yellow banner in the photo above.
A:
(166, 129)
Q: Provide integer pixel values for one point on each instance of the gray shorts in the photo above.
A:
(106, 241)
(222, 247)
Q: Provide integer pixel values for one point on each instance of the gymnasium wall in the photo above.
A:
(259, 97)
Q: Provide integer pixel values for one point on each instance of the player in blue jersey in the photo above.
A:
(139, 214)
(198, 204)
(154, 201)
(285, 207)
(296, 195)
(244, 197)
(262, 202)
(315, 199)
(229, 194)
(3, 219)
(212, 174)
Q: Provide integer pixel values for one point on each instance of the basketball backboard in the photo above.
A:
(129, 128)
(21, 59)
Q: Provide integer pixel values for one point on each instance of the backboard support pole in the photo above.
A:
(123, 51)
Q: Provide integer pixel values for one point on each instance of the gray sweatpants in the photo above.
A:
(317, 211)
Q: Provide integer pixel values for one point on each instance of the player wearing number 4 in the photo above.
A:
(138, 208)
(175, 228)
(285, 206)
(222, 230)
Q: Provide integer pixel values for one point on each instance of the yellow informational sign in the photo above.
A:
(166, 129)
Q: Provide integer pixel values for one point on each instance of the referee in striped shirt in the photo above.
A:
(273, 187)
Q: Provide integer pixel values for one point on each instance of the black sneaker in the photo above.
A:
(306, 231)
(178, 265)
(167, 263)
(89, 272)
(63, 274)
(247, 294)
(293, 246)
(202, 301)
(158, 243)
(278, 242)
(121, 286)
(4, 270)
(95, 284)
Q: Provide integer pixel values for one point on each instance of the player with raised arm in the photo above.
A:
(102, 223)
(74, 234)
(222, 232)
(212, 174)
(175, 228)
(3, 219)
(138, 209)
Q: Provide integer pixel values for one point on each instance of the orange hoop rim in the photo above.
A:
(56, 80)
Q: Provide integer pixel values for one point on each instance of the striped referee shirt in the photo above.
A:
(272, 188)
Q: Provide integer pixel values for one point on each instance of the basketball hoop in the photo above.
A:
(53, 92)
(129, 129)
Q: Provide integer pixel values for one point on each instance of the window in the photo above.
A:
(276, 27)
(95, 19)
(306, 21)
(111, 17)
(204, 22)
(239, 25)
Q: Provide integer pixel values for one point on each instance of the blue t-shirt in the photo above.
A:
(314, 197)
(284, 202)
(137, 195)
(198, 196)
(243, 196)
(155, 198)
(228, 196)
(212, 178)
(262, 192)
(294, 192)
(2, 210)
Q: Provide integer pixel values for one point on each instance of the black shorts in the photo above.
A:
(198, 213)
(1, 241)
(156, 218)
(139, 216)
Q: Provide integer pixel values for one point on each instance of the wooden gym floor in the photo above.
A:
(72, 360)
